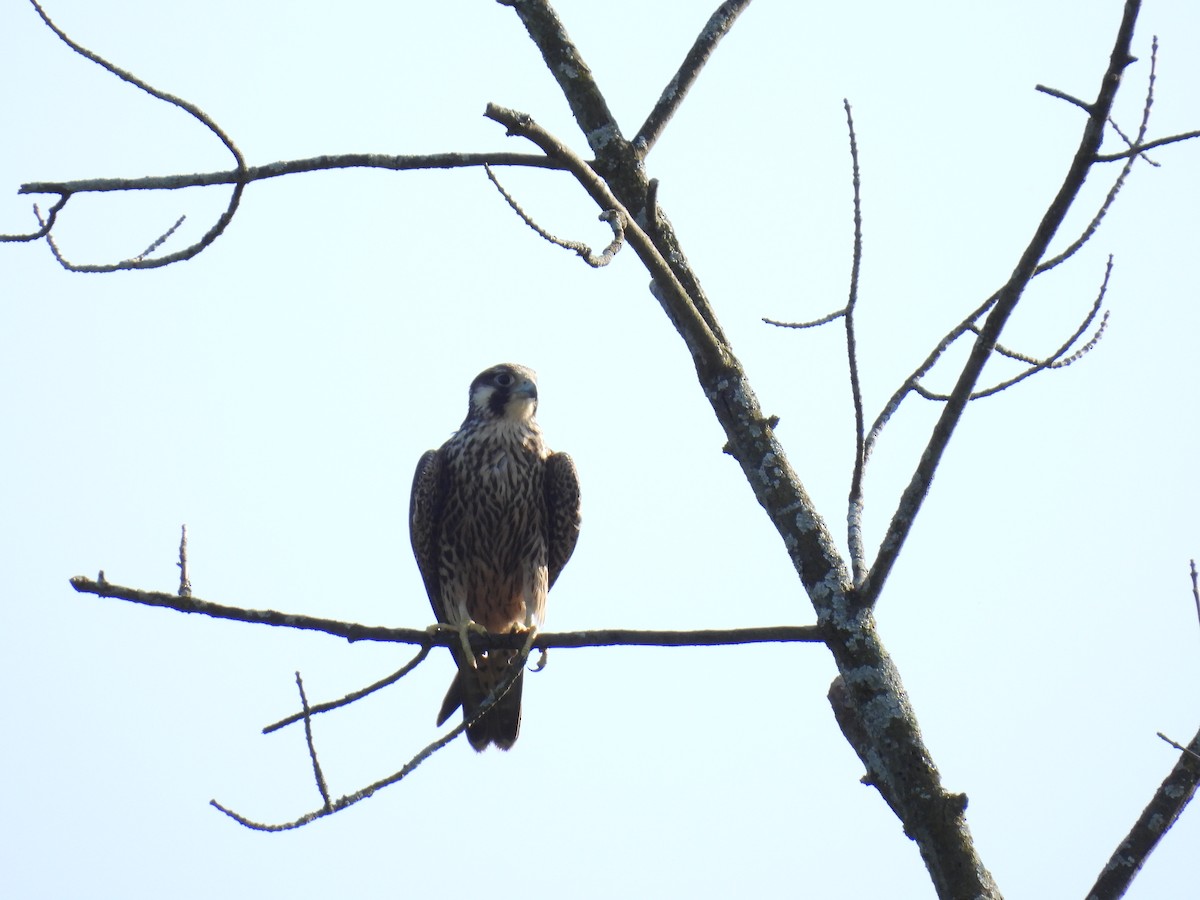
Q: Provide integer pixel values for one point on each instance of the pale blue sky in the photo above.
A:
(276, 392)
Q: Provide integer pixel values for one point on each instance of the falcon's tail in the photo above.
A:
(470, 687)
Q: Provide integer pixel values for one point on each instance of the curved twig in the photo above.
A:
(824, 320)
(235, 197)
(46, 223)
(614, 218)
(353, 695)
(674, 297)
(1056, 360)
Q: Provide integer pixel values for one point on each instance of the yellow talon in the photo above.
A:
(463, 630)
(530, 636)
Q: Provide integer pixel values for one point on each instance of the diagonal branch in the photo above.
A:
(1138, 149)
(1168, 803)
(719, 24)
(914, 495)
(329, 807)
(353, 696)
(1058, 359)
(674, 297)
(573, 75)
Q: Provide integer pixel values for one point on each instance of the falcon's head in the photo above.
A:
(506, 391)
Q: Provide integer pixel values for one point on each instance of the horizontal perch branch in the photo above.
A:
(289, 167)
(608, 637)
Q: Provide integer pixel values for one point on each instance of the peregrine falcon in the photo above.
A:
(493, 517)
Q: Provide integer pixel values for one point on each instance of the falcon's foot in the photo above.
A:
(526, 648)
(463, 630)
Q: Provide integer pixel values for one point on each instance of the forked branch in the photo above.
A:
(329, 806)
(191, 109)
(1007, 299)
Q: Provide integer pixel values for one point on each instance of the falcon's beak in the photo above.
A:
(525, 389)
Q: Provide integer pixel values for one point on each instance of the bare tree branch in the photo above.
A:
(318, 775)
(681, 82)
(676, 301)
(185, 580)
(1093, 133)
(932, 816)
(1178, 746)
(1195, 588)
(329, 807)
(1056, 360)
(616, 160)
(607, 637)
(574, 78)
(235, 197)
(353, 696)
(814, 323)
(858, 554)
(1063, 95)
(45, 224)
(1169, 802)
(1119, 182)
(614, 218)
(1139, 148)
(291, 167)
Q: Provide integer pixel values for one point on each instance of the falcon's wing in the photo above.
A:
(425, 521)
(562, 512)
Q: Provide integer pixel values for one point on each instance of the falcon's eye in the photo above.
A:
(503, 379)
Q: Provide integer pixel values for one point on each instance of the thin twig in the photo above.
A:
(1008, 297)
(330, 807)
(1192, 753)
(1118, 183)
(160, 240)
(185, 580)
(912, 383)
(1168, 803)
(354, 695)
(308, 739)
(1139, 148)
(1195, 589)
(858, 554)
(351, 631)
(613, 217)
(44, 224)
(202, 117)
(675, 299)
(1056, 360)
(718, 25)
(824, 320)
(1063, 95)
